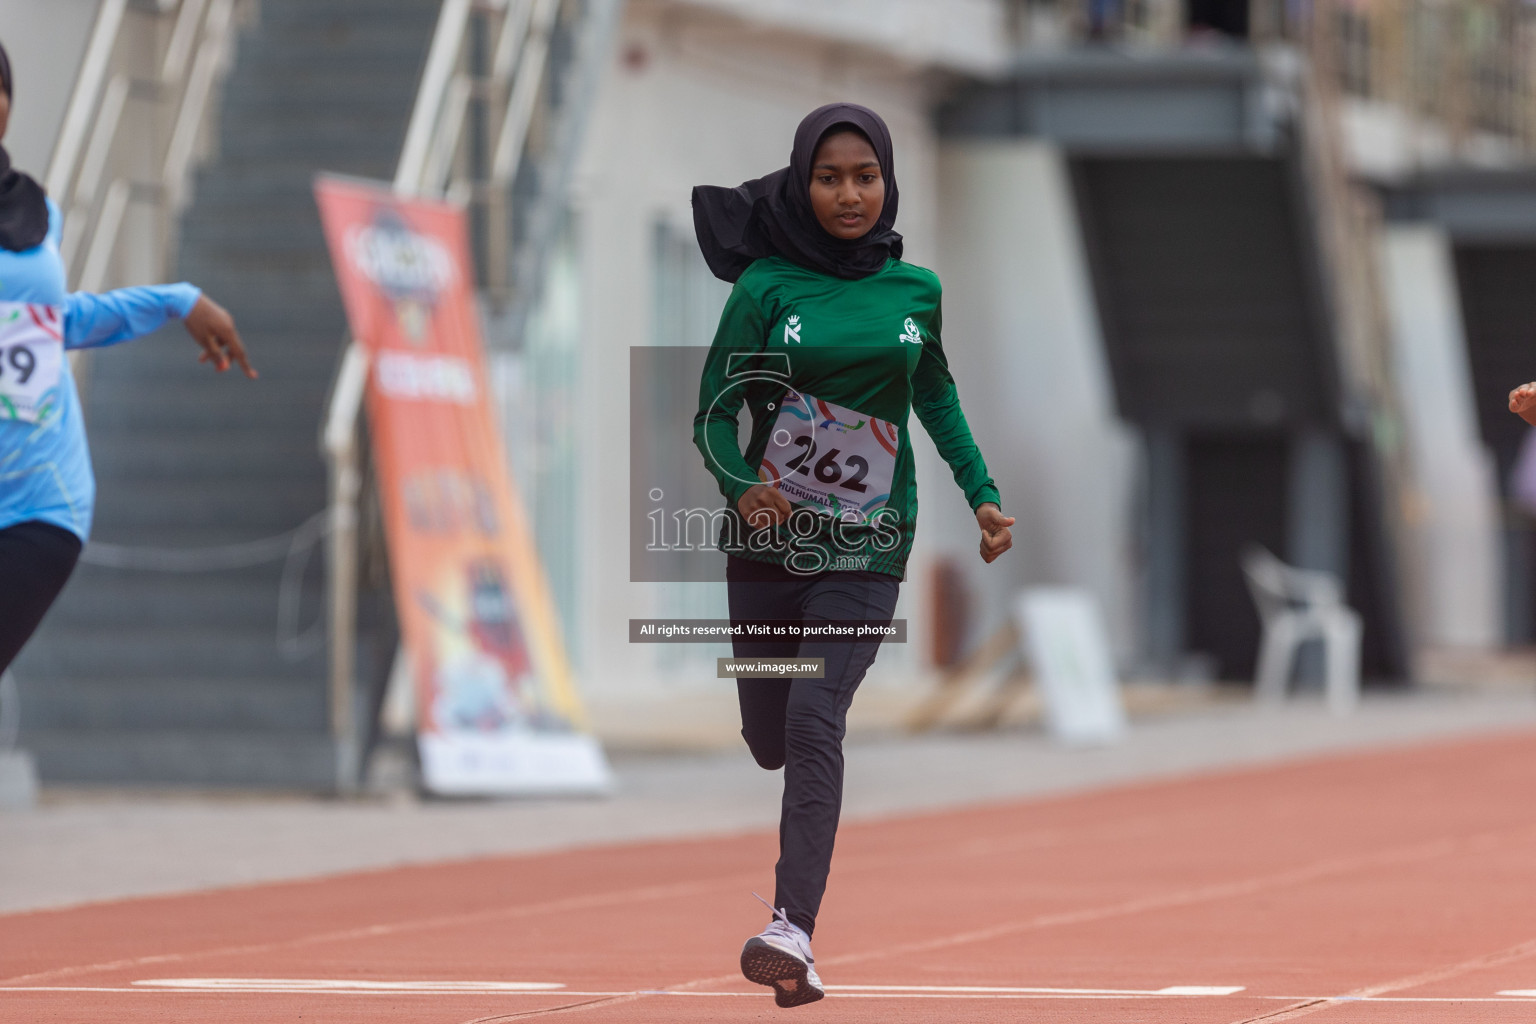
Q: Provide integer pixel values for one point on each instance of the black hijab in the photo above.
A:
(772, 215)
(23, 208)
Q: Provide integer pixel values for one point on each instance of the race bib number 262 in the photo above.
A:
(834, 460)
(31, 361)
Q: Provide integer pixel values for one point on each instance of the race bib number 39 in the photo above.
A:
(837, 461)
(31, 361)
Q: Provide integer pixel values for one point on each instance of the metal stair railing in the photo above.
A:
(496, 125)
(502, 103)
(152, 65)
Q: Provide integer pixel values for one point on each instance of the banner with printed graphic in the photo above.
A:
(497, 709)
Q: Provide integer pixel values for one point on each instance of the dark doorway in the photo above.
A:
(1218, 17)
(1235, 496)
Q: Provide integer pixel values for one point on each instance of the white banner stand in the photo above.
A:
(1064, 640)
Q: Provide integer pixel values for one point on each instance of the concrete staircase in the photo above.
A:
(149, 677)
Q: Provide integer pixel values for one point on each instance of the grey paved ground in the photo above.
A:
(80, 847)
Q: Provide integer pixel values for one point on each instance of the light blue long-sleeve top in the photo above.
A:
(45, 468)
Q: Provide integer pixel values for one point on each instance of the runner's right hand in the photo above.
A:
(763, 506)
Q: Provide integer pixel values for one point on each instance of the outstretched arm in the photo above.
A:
(98, 319)
(95, 320)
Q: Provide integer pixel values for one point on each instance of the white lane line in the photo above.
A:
(888, 992)
(595, 995)
(345, 985)
(1305, 1008)
(1172, 990)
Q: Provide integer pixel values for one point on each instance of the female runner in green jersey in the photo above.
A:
(830, 340)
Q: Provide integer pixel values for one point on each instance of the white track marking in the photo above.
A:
(1172, 990)
(346, 985)
(455, 921)
(1414, 853)
(349, 987)
(1199, 990)
(1306, 1008)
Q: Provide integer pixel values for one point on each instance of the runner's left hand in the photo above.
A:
(214, 330)
(1522, 402)
(995, 535)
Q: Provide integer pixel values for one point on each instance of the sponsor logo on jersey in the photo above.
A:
(792, 329)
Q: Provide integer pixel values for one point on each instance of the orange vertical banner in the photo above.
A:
(498, 711)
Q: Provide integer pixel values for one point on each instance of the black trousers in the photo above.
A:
(798, 724)
(35, 562)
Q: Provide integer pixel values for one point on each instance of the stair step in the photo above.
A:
(102, 652)
(298, 11)
(279, 364)
(225, 472)
(347, 31)
(193, 535)
(293, 208)
(275, 288)
(205, 235)
(298, 328)
(137, 705)
(279, 235)
(284, 197)
(302, 760)
(259, 503)
(249, 90)
(304, 332)
(315, 58)
(320, 127)
(264, 183)
(241, 260)
(219, 399)
(228, 452)
(373, 157)
(289, 201)
(282, 171)
(113, 598)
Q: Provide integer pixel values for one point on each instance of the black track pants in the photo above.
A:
(798, 724)
(35, 561)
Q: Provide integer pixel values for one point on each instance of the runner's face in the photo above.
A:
(5, 113)
(847, 189)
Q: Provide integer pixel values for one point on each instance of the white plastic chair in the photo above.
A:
(1297, 605)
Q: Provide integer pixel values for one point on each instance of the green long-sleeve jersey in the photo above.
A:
(830, 369)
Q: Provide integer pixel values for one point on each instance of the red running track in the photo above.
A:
(1384, 887)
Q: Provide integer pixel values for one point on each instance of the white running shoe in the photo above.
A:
(780, 956)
